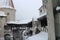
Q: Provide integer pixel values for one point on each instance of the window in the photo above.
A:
(40, 10)
(7, 13)
(45, 6)
(1, 17)
(45, 1)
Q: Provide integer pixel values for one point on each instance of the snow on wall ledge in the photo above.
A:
(2, 13)
(7, 7)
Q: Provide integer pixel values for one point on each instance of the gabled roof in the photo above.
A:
(5, 3)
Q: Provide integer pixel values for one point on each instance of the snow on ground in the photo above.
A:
(40, 36)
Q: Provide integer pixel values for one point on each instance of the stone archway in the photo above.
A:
(7, 37)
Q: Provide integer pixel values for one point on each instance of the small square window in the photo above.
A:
(45, 1)
(7, 13)
(40, 10)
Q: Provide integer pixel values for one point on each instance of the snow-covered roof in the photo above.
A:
(2, 13)
(40, 36)
(11, 22)
(6, 7)
(43, 15)
(19, 22)
(58, 8)
(6, 4)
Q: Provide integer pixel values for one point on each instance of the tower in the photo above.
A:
(7, 8)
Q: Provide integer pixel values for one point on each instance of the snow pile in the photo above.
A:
(2, 13)
(40, 36)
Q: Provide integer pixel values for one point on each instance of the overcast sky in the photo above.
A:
(27, 9)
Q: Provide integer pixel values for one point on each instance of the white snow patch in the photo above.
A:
(43, 14)
(40, 36)
(20, 22)
(2, 13)
(11, 22)
(58, 8)
(4, 6)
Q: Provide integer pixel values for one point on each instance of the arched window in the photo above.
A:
(7, 37)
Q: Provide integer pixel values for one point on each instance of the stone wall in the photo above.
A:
(57, 24)
(10, 13)
(2, 23)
